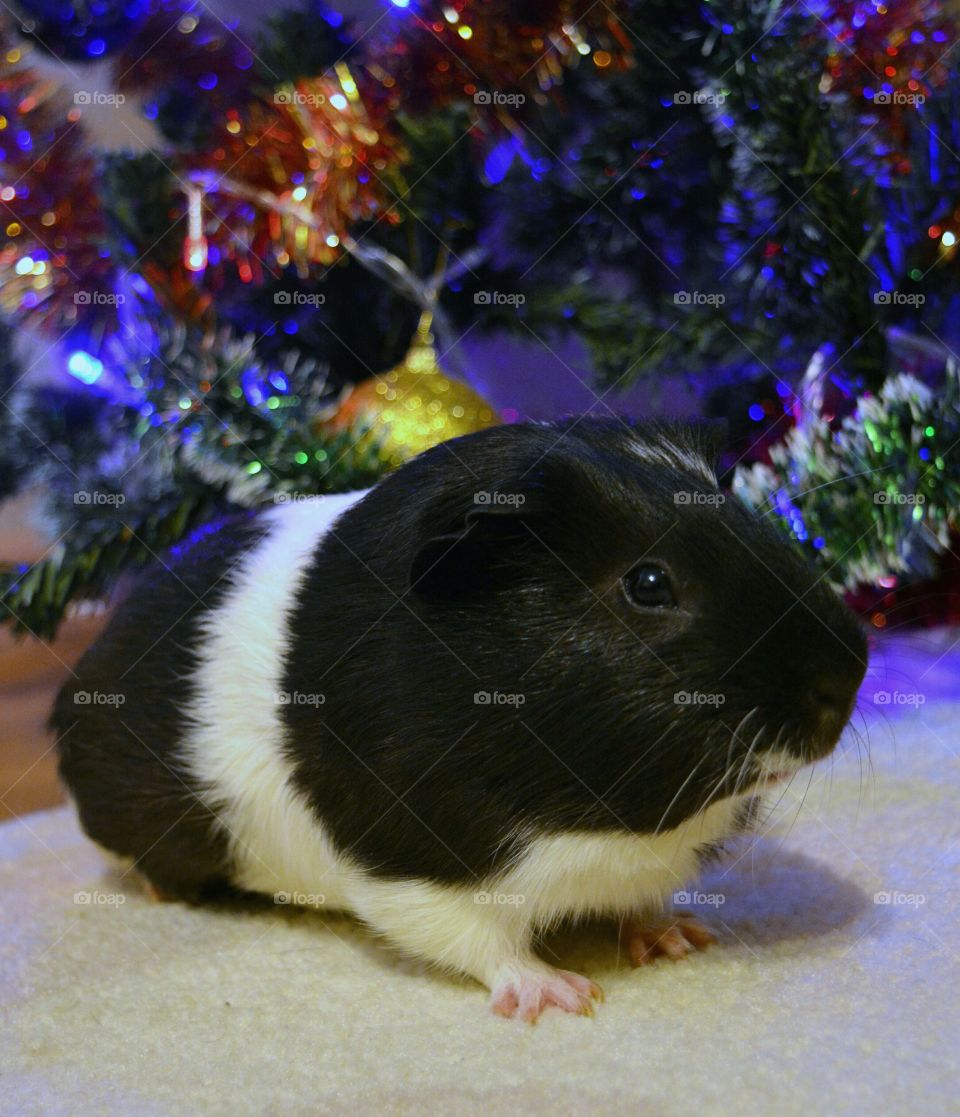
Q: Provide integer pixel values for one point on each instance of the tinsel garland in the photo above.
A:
(875, 498)
(198, 426)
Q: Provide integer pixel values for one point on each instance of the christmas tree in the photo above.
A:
(761, 198)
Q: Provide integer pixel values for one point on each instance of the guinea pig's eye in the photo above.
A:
(649, 586)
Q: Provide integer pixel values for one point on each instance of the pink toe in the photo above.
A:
(504, 1001)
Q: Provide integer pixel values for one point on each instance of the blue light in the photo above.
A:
(924, 453)
(207, 81)
(819, 542)
(84, 367)
(400, 3)
(96, 47)
(290, 326)
(756, 412)
(499, 160)
(252, 387)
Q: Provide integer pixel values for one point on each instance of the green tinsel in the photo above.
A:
(204, 429)
(876, 498)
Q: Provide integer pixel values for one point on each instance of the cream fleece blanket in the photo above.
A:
(817, 1000)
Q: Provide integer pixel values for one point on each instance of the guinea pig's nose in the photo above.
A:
(833, 693)
(832, 697)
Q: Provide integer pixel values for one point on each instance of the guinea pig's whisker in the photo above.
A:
(735, 736)
(744, 771)
(796, 813)
(708, 799)
(680, 791)
(825, 485)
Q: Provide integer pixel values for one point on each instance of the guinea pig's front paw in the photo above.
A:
(668, 936)
(524, 990)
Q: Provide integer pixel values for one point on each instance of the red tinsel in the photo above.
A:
(495, 53)
(53, 260)
(888, 57)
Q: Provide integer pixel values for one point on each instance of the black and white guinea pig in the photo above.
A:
(538, 672)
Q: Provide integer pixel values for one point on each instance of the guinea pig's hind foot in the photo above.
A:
(523, 990)
(667, 936)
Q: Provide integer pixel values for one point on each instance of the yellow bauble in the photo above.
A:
(413, 406)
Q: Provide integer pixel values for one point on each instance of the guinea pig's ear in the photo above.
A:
(479, 557)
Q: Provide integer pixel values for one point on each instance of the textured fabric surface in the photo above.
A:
(817, 999)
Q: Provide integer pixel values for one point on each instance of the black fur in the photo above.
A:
(421, 598)
(120, 761)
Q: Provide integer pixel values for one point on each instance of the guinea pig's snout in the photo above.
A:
(832, 695)
(833, 698)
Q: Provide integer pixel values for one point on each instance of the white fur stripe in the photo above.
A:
(236, 747)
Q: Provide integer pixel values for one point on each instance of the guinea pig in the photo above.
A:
(538, 673)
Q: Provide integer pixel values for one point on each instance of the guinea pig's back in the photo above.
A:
(184, 665)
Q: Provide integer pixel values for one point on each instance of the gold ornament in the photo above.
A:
(413, 406)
